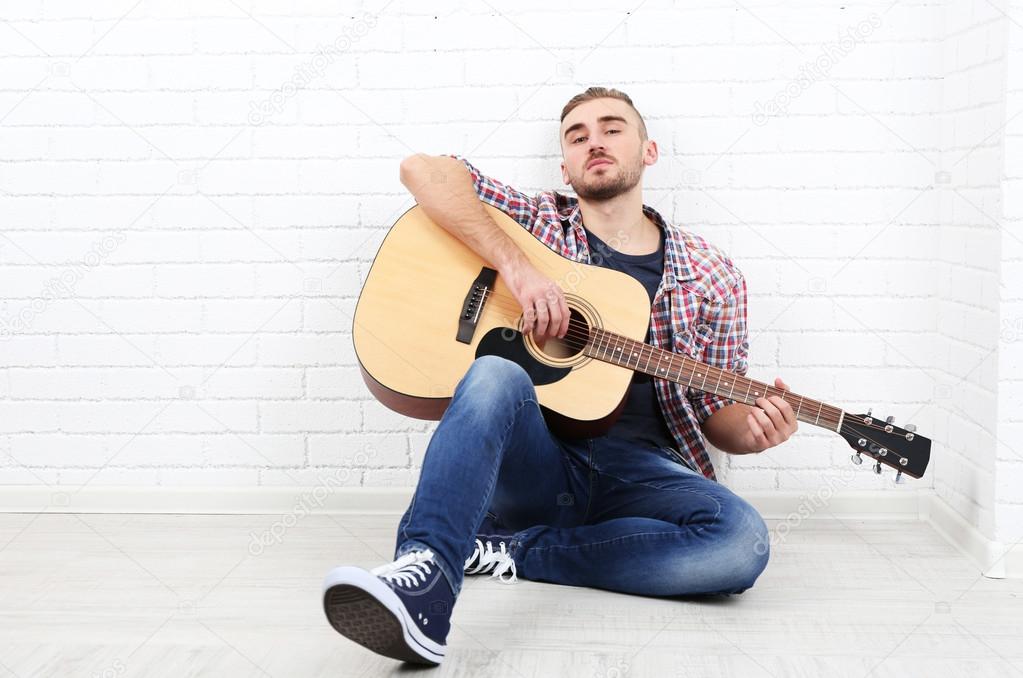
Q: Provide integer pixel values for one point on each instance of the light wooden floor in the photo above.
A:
(150, 595)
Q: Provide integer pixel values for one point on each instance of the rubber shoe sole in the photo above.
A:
(362, 608)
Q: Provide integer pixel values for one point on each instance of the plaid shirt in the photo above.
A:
(699, 310)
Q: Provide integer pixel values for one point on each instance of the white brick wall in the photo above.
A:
(1008, 490)
(210, 340)
(969, 189)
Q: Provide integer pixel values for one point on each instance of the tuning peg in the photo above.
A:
(910, 427)
(898, 478)
(889, 419)
(877, 468)
(856, 459)
(869, 410)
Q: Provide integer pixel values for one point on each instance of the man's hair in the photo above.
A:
(602, 93)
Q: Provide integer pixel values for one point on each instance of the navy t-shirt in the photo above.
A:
(641, 419)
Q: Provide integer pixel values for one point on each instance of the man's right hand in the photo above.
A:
(544, 309)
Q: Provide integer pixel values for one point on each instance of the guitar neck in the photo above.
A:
(641, 357)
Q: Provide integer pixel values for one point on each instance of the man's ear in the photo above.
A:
(650, 154)
(564, 174)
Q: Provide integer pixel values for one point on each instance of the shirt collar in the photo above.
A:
(676, 253)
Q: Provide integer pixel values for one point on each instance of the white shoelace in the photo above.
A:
(405, 570)
(500, 561)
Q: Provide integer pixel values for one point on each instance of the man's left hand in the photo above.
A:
(771, 421)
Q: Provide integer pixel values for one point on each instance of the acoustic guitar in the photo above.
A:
(430, 306)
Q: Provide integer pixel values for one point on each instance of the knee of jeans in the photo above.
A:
(748, 543)
(493, 378)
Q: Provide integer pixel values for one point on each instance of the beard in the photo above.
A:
(608, 186)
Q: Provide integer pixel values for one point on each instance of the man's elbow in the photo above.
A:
(411, 166)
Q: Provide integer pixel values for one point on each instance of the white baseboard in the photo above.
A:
(994, 559)
(793, 505)
(204, 500)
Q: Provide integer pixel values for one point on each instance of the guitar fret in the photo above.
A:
(819, 413)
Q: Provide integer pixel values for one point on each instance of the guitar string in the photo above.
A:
(860, 434)
(584, 335)
(867, 438)
(781, 392)
(580, 331)
(583, 342)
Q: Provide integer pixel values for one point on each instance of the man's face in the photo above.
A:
(603, 153)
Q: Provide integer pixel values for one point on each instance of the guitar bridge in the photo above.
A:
(473, 304)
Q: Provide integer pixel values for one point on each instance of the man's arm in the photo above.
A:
(734, 427)
(445, 191)
(443, 188)
(743, 429)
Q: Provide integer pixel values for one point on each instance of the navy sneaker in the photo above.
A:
(401, 610)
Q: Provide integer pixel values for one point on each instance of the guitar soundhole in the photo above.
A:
(572, 344)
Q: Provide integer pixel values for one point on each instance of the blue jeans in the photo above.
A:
(597, 512)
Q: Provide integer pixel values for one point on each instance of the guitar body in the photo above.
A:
(417, 328)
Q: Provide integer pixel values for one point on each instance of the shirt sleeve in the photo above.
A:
(516, 204)
(728, 348)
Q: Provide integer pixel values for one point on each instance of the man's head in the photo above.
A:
(602, 124)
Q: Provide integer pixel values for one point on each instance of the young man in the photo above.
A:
(636, 510)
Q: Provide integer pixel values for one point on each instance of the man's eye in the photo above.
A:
(577, 139)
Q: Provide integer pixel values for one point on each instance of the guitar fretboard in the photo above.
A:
(641, 357)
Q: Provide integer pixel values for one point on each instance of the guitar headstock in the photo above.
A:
(901, 448)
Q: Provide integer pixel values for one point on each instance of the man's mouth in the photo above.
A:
(598, 161)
